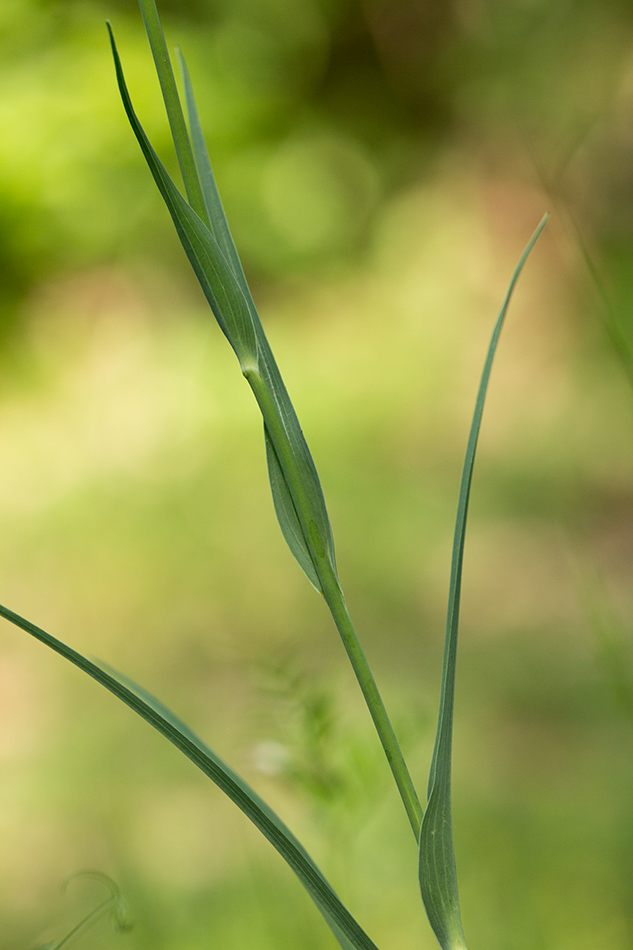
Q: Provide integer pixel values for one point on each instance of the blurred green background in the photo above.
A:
(382, 163)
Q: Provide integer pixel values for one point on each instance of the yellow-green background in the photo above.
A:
(382, 162)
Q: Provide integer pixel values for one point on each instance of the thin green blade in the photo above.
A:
(347, 931)
(436, 857)
(179, 133)
(212, 200)
(218, 282)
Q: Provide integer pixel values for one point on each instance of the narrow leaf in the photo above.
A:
(345, 928)
(175, 116)
(437, 871)
(212, 200)
(216, 278)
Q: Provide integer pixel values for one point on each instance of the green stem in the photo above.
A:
(338, 608)
(175, 114)
(335, 600)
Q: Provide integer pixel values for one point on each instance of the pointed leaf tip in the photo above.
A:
(218, 281)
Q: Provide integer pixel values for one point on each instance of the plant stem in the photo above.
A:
(338, 608)
(173, 107)
(335, 600)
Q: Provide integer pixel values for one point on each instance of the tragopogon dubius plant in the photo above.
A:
(202, 227)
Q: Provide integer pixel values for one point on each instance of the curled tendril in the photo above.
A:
(114, 906)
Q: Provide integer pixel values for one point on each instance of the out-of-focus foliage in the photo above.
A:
(317, 113)
(382, 164)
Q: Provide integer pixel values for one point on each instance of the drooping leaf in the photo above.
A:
(347, 931)
(436, 862)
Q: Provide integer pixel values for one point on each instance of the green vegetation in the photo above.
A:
(327, 763)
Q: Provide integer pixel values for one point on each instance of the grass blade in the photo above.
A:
(212, 200)
(173, 107)
(436, 865)
(226, 297)
(345, 928)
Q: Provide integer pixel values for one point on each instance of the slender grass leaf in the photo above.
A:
(436, 864)
(180, 136)
(347, 931)
(212, 200)
(218, 282)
